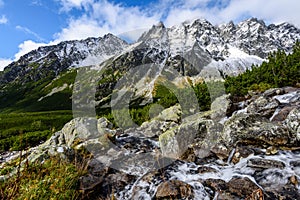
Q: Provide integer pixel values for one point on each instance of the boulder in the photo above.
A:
(253, 129)
(220, 107)
(293, 123)
(195, 131)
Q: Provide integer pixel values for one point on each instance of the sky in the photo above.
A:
(27, 24)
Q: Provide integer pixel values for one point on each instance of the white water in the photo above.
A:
(187, 172)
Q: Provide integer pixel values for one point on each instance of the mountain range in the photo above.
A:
(43, 79)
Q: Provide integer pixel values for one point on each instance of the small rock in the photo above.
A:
(241, 152)
(271, 150)
(174, 189)
(265, 163)
(295, 163)
(205, 169)
(221, 151)
(281, 114)
(294, 180)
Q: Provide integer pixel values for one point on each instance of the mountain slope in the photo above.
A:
(196, 49)
(57, 58)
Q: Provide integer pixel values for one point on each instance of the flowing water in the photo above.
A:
(146, 184)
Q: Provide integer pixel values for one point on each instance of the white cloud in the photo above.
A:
(104, 17)
(3, 19)
(80, 29)
(4, 63)
(1, 3)
(68, 5)
(26, 47)
(275, 11)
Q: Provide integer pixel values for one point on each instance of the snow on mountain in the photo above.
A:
(231, 48)
(84, 52)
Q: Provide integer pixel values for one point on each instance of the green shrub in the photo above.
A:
(281, 70)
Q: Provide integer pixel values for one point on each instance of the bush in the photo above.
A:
(281, 70)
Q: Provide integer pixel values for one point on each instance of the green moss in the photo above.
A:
(165, 138)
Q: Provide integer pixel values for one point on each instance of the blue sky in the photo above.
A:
(28, 24)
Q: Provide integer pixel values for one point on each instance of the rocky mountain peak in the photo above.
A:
(155, 32)
(64, 55)
(235, 45)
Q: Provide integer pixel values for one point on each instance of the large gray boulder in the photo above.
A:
(253, 129)
(293, 123)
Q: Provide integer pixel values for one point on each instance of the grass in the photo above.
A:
(24, 97)
(21, 130)
(52, 179)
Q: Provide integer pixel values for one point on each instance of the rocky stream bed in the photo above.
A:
(247, 150)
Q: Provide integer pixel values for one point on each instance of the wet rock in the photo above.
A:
(265, 107)
(281, 114)
(241, 187)
(293, 122)
(205, 169)
(265, 163)
(241, 152)
(221, 151)
(174, 189)
(236, 188)
(285, 193)
(295, 163)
